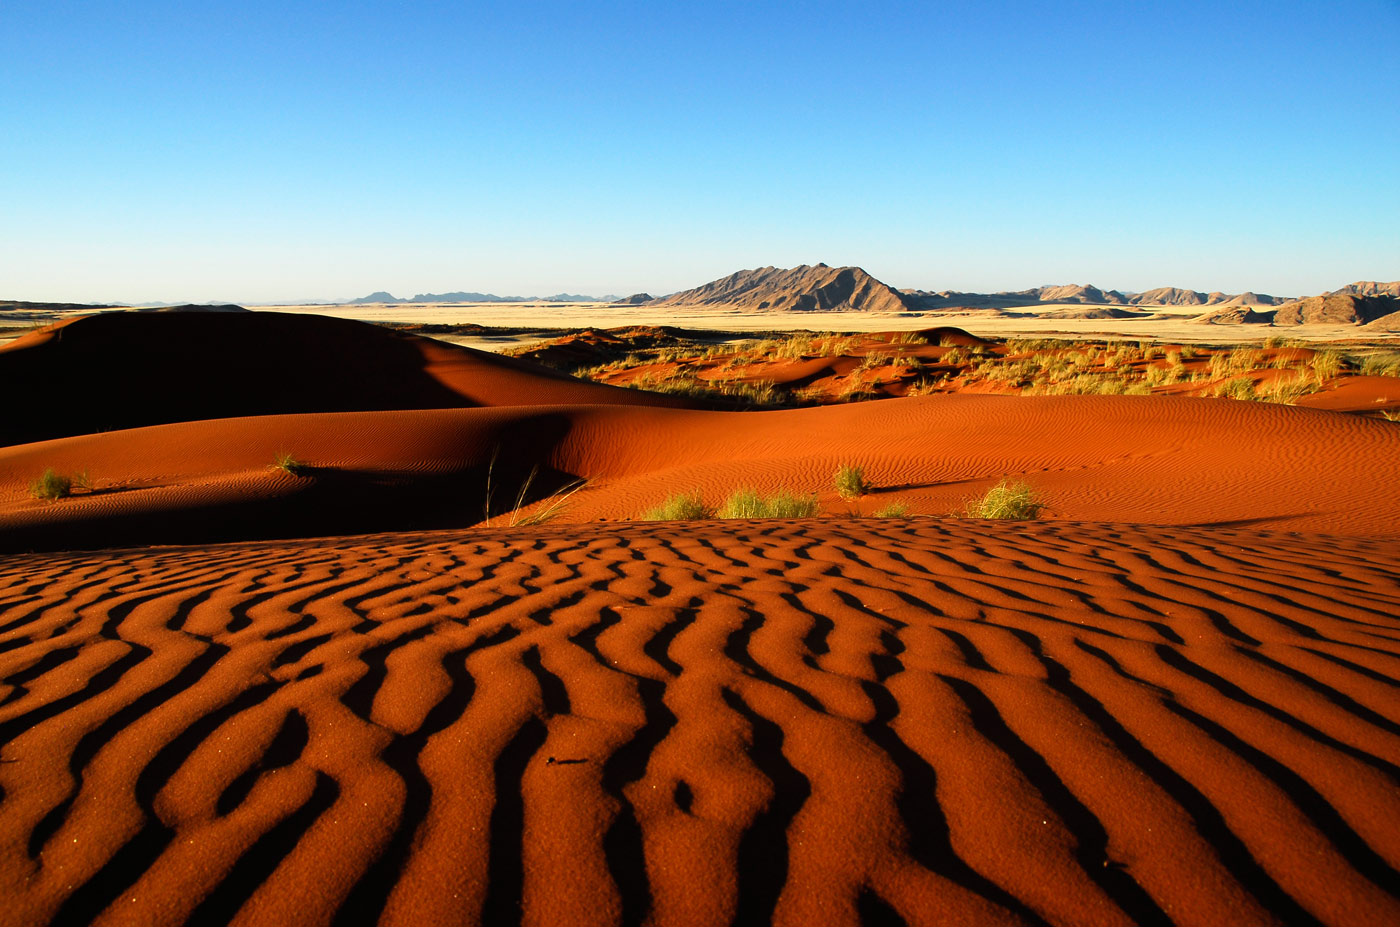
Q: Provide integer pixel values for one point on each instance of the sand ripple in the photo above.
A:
(832, 722)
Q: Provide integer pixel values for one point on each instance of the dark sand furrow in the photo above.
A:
(1220, 848)
(929, 840)
(1090, 835)
(1233, 694)
(762, 862)
(371, 893)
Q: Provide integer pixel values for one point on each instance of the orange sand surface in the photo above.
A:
(819, 721)
(1172, 699)
(1158, 460)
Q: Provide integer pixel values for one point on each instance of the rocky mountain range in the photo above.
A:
(819, 287)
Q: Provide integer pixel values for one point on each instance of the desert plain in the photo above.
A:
(306, 619)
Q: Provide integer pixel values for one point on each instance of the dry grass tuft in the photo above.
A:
(851, 482)
(746, 502)
(1006, 500)
(285, 462)
(51, 486)
(688, 506)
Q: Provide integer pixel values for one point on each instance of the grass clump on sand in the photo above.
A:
(285, 462)
(1006, 500)
(1241, 388)
(893, 510)
(746, 502)
(851, 482)
(51, 486)
(686, 506)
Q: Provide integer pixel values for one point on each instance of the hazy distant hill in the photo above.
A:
(1368, 288)
(390, 299)
(1088, 295)
(803, 288)
(6, 304)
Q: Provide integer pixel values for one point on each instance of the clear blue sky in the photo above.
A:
(282, 150)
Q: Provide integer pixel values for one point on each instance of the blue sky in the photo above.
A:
(263, 151)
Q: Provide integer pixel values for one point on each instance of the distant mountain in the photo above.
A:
(803, 288)
(1172, 296)
(636, 299)
(7, 304)
(378, 296)
(1088, 295)
(1368, 288)
(1337, 309)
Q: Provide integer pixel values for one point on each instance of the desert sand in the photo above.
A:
(1171, 699)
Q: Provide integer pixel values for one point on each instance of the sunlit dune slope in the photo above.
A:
(1131, 459)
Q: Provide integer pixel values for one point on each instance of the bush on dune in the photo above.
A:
(746, 502)
(851, 482)
(680, 507)
(285, 462)
(51, 486)
(1006, 500)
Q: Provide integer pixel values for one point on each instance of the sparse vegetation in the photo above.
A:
(51, 486)
(746, 502)
(1327, 364)
(688, 506)
(902, 364)
(285, 462)
(1237, 388)
(1381, 365)
(851, 482)
(893, 510)
(1006, 500)
(546, 509)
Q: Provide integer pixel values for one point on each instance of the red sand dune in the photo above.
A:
(1110, 458)
(127, 369)
(819, 722)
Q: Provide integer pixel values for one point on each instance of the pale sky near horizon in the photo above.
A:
(265, 151)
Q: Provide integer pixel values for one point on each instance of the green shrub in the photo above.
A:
(1381, 365)
(1238, 388)
(893, 510)
(746, 502)
(1327, 364)
(687, 506)
(1286, 392)
(288, 464)
(743, 503)
(784, 504)
(51, 487)
(1005, 500)
(850, 482)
